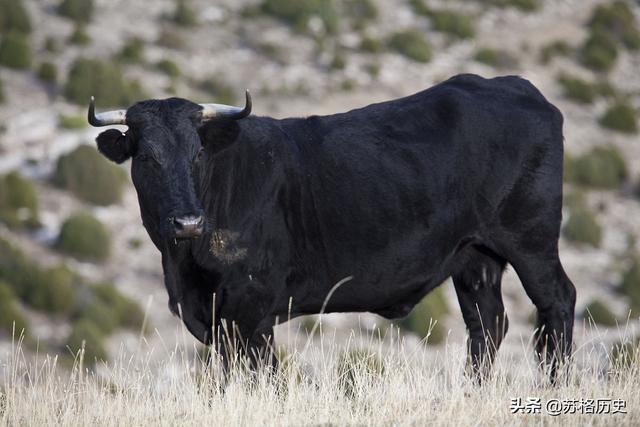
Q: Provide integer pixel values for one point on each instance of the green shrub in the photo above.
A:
(92, 77)
(630, 286)
(371, 45)
(524, 5)
(452, 23)
(618, 21)
(600, 313)
(132, 51)
(84, 237)
(50, 290)
(51, 44)
(79, 11)
(577, 89)
(553, 49)
(14, 17)
(88, 175)
(599, 52)
(18, 201)
(338, 62)
(72, 122)
(297, 13)
(85, 331)
(184, 15)
(358, 369)
(9, 313)
(80, 36)
(126, 312)
(15, 51)
(48, 72)
(620, 117)
(433, 307)
(496, 58)
(361, 12)
(419, 7)
(171, 39)
(412, 44)
(218, 90)
(601, 167)
(582, 227)
(168, 67)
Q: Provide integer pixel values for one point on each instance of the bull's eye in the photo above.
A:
(199, 155)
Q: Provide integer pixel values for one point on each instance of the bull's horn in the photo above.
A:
(116, 117)
(210, 111)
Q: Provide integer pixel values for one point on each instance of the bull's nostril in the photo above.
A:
(188, 226)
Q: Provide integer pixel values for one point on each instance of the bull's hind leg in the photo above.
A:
(478, 286)
(554, 296)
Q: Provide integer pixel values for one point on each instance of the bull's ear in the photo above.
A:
(115, 145)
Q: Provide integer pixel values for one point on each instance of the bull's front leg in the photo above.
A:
(244, 332)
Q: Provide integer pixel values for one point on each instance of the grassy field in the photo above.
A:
(371, 378)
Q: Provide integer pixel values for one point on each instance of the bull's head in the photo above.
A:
(163, 141)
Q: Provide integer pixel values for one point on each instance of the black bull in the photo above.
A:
(455, 181)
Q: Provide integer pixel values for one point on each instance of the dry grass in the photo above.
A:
(407, 384)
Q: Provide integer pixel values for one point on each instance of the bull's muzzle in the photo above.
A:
(188, 227)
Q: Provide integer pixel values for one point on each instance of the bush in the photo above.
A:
(412, 44)
(92, 77)
(85, 331)
(600, 313)
(88, 175)
(297, 13)
(630, 286)
(432, 307)
(126, 312)
(524, 5)
(80, 36)
(168, 67)
(496, 58)
(618, 21)
(371, 45)
(48, 72)
(79, 11)
(358, 369)
(583, 227)
(583, 91)
(452, 23)
(184, 15)
(50, 290)
(218, 90)
(602, 167)
(18, 201)
(361, 11)
(9, 312)
(550, 51)
(620, 117)
(132, 51)
(15, 51)
(14, 17)
(84, 237)
(72, 122)
(171, 39)
(599, 52)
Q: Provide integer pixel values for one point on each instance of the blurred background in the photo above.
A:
(75, 262)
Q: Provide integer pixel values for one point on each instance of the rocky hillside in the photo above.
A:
(298, 58)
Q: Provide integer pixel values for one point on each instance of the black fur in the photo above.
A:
(456, 180)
